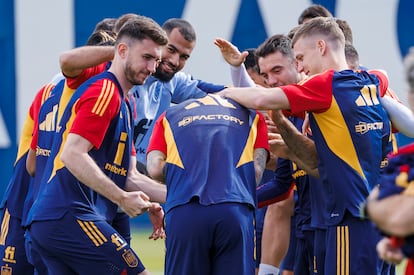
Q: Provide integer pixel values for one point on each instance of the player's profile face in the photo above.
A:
(143, 59)
(307, 56)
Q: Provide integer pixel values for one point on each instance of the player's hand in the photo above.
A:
(277, 146)
(230, 53)
(306, 130)
(156, 215)
(271, 126)
(135, 203)
(388, 252)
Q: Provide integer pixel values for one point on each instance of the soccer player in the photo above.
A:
(343, 147)
(21, 187)
(167, 85)
(12, 240)
(276, 64)
(214, 187)
(84, 161)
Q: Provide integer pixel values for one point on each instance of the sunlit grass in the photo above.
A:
(149, 251)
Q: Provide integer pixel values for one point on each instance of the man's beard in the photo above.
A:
(162, 76)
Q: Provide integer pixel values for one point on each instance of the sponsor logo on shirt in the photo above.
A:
(189, 119)
(42, 152)
(364, 127)
(116, 170)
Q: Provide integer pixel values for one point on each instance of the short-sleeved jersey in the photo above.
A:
(58, 99)
(351, 131)
(209, 145)
(152, 98)
(43, 145)
(20, 181)
(98, 112)
(49, 115)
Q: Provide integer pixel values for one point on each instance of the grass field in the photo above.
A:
(149, 251)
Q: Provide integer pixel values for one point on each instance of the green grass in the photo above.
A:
(149, 251)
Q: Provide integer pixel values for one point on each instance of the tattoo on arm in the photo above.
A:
(302, 148)
(260, 158)
(156, 165)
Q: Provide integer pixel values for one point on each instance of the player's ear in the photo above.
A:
(321, 44)
(122, 49)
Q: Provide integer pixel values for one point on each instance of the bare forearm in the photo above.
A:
(139, 182)
(400, 115)
(258, 98)
(72, 62)
(302, 150)
(393, 215)
(156, 164)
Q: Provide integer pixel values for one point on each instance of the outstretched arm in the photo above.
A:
(235, 59)
(140, 182)
(74, 61)
(401, 116)
(258, 98)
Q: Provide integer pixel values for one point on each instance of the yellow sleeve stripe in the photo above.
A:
(247, 155)
(104, 98)
(25, 138)
(173, 156)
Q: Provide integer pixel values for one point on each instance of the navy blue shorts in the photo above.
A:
(304, 253)
(33, 256)
(319, 251)
(213, 239)
(122, 224)
(351, 247)
(71, 245)
(12, 244)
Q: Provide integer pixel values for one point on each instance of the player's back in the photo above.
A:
(210, 151)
